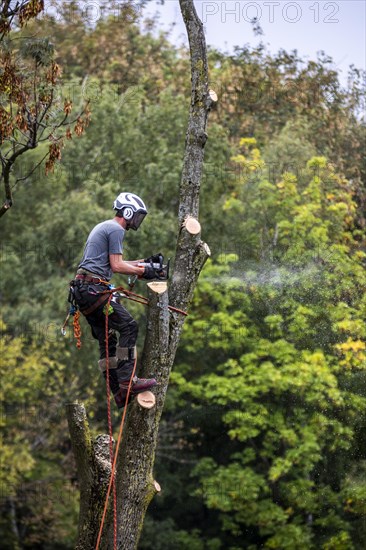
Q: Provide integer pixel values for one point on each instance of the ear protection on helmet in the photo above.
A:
(127, 213)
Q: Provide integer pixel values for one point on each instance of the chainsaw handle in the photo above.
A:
(161, 271)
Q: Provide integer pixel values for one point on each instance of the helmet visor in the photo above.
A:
(137, 220)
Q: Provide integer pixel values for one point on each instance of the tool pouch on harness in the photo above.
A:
(88, 297)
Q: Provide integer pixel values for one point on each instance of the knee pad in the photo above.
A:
(126, 354)
(102, 363)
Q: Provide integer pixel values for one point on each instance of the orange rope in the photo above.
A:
(77, 329)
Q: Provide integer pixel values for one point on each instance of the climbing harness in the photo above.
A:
(120, 290)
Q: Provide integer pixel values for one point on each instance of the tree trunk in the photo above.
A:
(94, 470)
(134, 473)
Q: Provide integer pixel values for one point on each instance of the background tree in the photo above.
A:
(31, 112)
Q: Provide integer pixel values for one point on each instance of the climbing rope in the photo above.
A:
(77, 328)
(110, 431)
(119, 439)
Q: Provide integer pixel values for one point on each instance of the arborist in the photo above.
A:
(103, 256)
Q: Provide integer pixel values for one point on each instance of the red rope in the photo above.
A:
(110, 431)
(113, 458)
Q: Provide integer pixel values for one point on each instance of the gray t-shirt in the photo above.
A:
(106, 238)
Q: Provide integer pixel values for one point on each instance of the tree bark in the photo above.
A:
(94, 470)
(134, 473)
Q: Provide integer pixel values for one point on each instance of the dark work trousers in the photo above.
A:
(119, 320)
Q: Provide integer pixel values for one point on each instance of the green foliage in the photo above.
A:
(262, 442)
(280, 359)
(32, 475)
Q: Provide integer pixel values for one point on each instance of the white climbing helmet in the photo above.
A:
(130, 207)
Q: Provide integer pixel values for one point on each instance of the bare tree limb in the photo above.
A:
(31, 171)
(200, 104)
(6, 176)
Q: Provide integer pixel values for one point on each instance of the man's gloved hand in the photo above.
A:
(155, 259)
(149, 273)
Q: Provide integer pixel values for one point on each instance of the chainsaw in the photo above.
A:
(157, 263)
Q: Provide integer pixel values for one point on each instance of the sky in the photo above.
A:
(338, 28)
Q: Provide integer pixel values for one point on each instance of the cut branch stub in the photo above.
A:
(80, 440)
(213, 96)
(146, 399)
(157, 486)
(158, 286)
(192, 225)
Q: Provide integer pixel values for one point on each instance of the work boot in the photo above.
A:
(118, 394)
(120, 398)
(138, 385)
